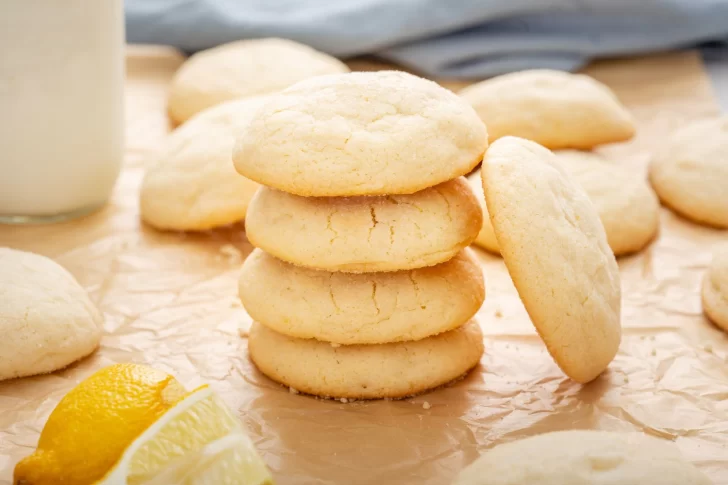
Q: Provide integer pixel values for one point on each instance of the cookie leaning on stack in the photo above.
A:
(364, 222)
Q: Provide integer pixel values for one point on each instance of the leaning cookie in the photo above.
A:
(365, 234)
(243, 69)
(553, 108)
(46, 318)
(555, 249)
(369, 308)
(715, 288)
(393, 370)
(583, 458)
(627, 206)
(191, 184)
(690, 172)
(364, 133)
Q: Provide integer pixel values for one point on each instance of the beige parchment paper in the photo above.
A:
(170, 301)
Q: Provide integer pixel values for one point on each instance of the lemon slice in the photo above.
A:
(228, 461)
(186, 430)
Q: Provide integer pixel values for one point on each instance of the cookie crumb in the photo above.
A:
(344, 400)
(498, 313)
(652, 338)
(708, 348)
(292, 390)
(243, 332)
(335, 345)
(642, 337)
(426, 405)
(653, 353)
(626, 379)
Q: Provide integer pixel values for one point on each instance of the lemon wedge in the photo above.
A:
(228, 461)
(198, 441)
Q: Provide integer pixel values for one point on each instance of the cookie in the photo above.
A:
(365, 234)
(486, 237)
(369, 308)
(553, 108)
(625, 202)
(191, 184)
(363, 133)
(46, 318)
(690, 173)
(583, 458)
(556, 252)
(715, 288)
(393, 370)
(243, 69)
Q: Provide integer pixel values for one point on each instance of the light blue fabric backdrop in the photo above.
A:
(453, 38)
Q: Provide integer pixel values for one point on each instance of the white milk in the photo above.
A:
(61, 106)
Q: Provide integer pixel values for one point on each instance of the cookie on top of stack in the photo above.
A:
(362, 285)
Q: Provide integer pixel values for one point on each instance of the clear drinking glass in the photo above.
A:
(61, 107)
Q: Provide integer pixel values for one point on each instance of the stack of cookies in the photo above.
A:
(362, 286)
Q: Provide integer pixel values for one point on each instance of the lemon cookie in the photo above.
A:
(583, 458)
(690, 173)
(365, 234)
(391, 370)
(486, 237)
(46, 318)
(369, 308)
(553, 108)
(715, 288)
(243, 69)
(191, 184)
(625, 202)
(364, 133)
(556, 252)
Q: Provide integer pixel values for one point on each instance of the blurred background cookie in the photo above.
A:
(191, 184)
(690, 172)
(243, 69)
(555, 109)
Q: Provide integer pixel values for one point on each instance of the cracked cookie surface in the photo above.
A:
(242, 69)
(365, 133)
(365, 234)
(393, 370)
(369, 308)
(556, 252)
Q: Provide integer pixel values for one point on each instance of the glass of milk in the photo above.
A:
(61, 107)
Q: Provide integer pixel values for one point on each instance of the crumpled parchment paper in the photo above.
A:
(170, 301)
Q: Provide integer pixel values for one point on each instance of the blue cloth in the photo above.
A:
(447, 38)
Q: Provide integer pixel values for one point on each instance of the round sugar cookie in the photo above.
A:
(625, 202)
(369, 308)
(486, 237)
(690, 173)
(553, 108)
(393, 370)
(243, 69)
(583, 458)
(556, 252)
(362, 133)
(715, 288)
(365, 234)
(46, 318)
(191, 184)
